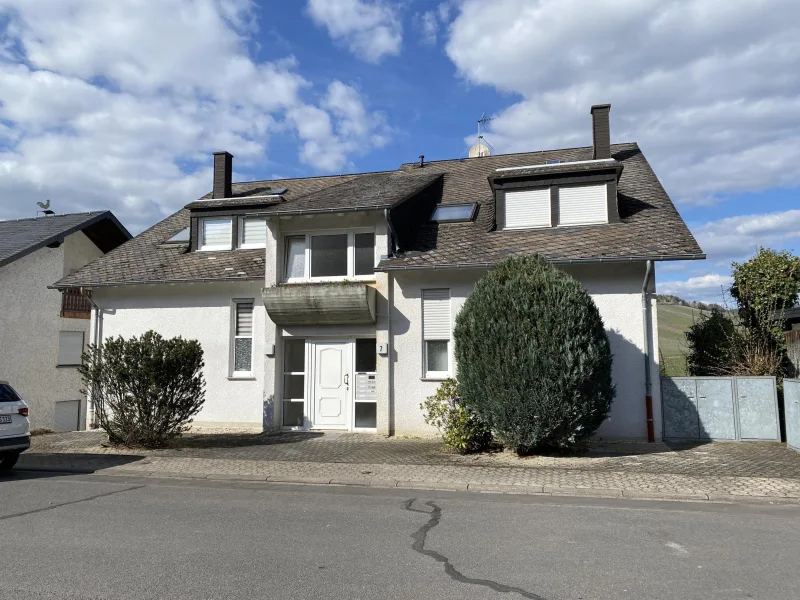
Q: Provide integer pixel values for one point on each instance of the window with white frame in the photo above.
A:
(70, 348)
(242, 342)
(582, 204)
(330, 256)
(252, 232)
(527, 209)
(436, 327)
(294, 382)
(215, 234)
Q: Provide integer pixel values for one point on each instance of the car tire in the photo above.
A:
(7, 461)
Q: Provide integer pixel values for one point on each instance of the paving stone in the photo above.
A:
(236, 477)
(505, 489)
(663, 471)
(433, 485)
(583, 491)
(298, 479)
(656, 495)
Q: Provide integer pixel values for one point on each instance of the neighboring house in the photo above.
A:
(329, 302)
(44, 331)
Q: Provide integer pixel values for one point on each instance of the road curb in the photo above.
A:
(482, 488)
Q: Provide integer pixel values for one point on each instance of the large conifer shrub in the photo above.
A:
(533, 357)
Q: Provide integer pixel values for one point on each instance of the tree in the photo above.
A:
(765, 284)
(145, 390)
(534, 361)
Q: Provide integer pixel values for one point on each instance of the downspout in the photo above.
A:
(98, 319)
(648, 384)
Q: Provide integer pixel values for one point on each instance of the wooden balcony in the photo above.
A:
(75, 305)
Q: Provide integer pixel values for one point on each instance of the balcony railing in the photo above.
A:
(75, 305)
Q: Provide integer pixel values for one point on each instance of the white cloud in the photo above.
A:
(738, 238)
(428, 26)
(369, 29)
(711, 287)
(342, 129)
(709, 88)
(111, 105)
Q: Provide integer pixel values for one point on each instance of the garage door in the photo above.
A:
(67, 415)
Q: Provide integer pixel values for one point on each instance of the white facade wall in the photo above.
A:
(616, 289)
(30, 322)
(203, 312)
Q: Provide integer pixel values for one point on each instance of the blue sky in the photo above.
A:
(119, 104)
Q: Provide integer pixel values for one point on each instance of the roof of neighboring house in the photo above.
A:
(650, 226)
(21, 237)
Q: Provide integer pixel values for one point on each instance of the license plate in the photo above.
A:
(5, 419)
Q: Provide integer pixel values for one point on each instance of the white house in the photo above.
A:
(43, 331)
(329, 302)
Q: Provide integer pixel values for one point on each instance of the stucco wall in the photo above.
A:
(199, 311)
(616, 289)
(30, 322)
(279, 227)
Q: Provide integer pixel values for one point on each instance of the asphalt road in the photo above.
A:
(93, 537)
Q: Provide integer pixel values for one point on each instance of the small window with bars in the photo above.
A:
(242, 343)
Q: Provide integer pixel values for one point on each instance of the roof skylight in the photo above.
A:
(182, 237)
(454, 213)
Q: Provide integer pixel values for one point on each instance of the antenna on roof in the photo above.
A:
(45, 206)
(482, 147)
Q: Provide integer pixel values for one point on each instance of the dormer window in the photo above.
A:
(252, 232)
(528, 208)
(582, 204)
(215, 234)
(454, 213)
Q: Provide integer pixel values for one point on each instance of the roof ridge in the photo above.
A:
(91, 212)
(315, 177)
(463, 158)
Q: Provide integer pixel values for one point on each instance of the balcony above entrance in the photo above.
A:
(321, 304)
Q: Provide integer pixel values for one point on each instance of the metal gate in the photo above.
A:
(720, 408)
(791, 405)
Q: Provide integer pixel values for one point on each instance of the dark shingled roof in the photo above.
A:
(650, 227)
(145, 259)
(21, 237)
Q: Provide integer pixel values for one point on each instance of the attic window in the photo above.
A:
(182, 237)
(454, 213)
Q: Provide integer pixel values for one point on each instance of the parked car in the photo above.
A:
(15, 430)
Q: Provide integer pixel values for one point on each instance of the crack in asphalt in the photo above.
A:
(60, 504)
(420, 536)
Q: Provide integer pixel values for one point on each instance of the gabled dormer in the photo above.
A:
(561, 194)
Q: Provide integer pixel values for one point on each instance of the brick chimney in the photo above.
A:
(601, 131)
(223, 173)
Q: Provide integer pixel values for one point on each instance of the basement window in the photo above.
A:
(455, 213)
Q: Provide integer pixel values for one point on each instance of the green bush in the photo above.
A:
(461, 430)
(145, 390)
(713, 341)
(534, 362)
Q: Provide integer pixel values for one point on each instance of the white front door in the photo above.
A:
(331, 384)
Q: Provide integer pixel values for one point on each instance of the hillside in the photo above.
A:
(673, 322)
